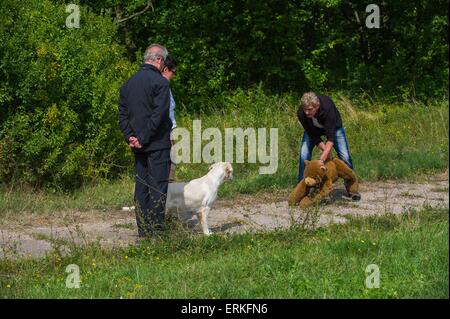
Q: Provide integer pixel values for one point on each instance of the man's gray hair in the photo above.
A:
(310, 99)
(155, 51)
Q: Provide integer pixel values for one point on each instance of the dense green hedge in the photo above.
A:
(290, 45)
(58, 95)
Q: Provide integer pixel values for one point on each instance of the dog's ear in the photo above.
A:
(228, 171)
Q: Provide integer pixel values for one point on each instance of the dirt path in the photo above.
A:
(34, 235)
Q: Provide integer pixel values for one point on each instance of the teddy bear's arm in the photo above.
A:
(311, 199)
(306, 201)
(326, 189)
(299, 192)
(349, 176)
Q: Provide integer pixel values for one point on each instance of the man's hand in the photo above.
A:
(325, 156)
(134, 142)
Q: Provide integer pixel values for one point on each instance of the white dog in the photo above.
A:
(198, 195)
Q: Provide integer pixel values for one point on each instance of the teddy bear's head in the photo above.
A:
(314, 172)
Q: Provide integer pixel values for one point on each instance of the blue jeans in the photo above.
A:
(340, 145)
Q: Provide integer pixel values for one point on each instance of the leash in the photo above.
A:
(144, 182)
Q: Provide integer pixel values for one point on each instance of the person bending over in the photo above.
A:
(319, 117)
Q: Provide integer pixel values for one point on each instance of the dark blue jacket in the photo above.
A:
(327, 115)
(144, 109)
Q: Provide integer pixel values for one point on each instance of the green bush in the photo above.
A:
(223, 45)
(58, 95)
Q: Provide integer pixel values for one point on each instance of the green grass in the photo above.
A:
(387, 141)
(105, 195)
(411, 251)
(402, 141)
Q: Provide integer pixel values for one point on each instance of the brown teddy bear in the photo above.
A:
(318, 182)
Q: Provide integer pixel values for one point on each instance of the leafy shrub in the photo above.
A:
(58, 95)
(294, 45)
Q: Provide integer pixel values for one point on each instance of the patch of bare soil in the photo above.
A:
(34, 235)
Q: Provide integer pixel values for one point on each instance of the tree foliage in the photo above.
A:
(294, 45)
(58, 95)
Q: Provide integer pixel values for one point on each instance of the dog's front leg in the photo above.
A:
(203, 214)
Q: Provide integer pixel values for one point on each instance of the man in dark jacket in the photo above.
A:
(320, 117)
(145, 123)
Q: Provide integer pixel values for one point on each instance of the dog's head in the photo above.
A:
(225, 167)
